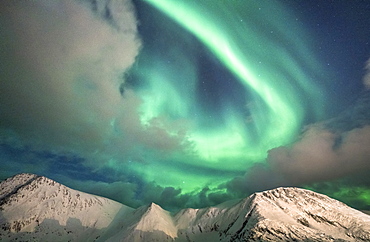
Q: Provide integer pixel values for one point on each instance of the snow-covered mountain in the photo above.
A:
(35, 208)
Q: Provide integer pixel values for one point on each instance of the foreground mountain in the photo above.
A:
(35, 208)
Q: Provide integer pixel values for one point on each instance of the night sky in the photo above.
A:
(187, 103)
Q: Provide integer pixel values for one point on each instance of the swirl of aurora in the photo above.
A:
(260, 100)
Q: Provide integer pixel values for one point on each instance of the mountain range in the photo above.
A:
(36, 208)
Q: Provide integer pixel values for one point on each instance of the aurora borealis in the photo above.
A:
(187, 103)
(267, 83)
(244, 130)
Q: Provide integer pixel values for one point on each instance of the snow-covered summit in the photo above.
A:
(32, 204)
(11, 184)
(36, 208)
(156, 218)
(282, 214)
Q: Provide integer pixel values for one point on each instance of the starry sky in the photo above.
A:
(187, 103)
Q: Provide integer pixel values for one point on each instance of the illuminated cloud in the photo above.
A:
(334, 151)
(322, 156)
(61, 71)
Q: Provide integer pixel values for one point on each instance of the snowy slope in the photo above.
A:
(282, 214)
(35, 208)
(147, 223)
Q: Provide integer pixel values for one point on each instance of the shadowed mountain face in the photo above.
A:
(35, 208)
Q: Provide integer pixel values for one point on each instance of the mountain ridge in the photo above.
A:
(34, 207)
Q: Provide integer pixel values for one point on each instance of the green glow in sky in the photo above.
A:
(355, 195)
(268, 54)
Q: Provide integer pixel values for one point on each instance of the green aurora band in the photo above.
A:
(264, 47)
(355, 195)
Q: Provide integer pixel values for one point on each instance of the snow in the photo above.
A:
(157, 219)
(37, 208)
(11, 185)
(40, 205)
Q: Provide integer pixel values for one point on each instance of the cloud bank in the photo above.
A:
(61, 69)
(367, 75)
(328, 151)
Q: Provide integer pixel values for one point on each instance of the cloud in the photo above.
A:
(326, 151)
(347, 191)
(66, 111)
(120, 191)
(367, 75)
(322, 155)
(61, 71)
(63, 66)
(137, 193)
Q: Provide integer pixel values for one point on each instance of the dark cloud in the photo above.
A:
(71, 170)
(355, 195)
(356, 116)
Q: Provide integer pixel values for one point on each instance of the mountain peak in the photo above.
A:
(308, 214)
(156, 218)
(154, 206)
(12, 184)
(35, 204)
(35, 207)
